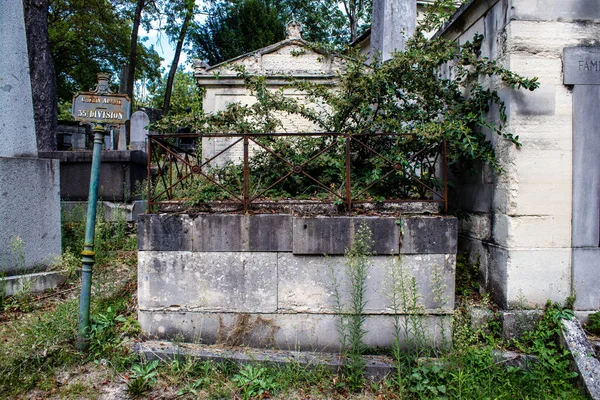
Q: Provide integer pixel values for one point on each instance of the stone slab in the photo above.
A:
(516, 323)
(17, 126)
(429, 235)
(225, 282)
(582, 354)
(32, 283)
(163, 232)
(305, 283)
(581, 65)
(333, 235)
(305, 332)
(139, 130)
(552, 10)
(586, 278)
(220, 232)
(30, 211)
(269, 232)
(376, 367)
(120, 171)
(586, 166)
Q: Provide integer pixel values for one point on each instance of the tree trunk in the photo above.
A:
(41, 70)
(168, 90)
(133, 52)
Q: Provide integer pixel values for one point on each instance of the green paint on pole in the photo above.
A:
(98, 107)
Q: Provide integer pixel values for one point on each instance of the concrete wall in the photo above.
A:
(262, 280)
(520, 221)
(119, 172)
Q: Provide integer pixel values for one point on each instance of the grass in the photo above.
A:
(38, 358)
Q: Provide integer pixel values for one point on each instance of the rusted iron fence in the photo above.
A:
(247, 169)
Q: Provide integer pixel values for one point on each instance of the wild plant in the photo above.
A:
(352, 317)
(255, 381)
(403, 293)
(141, 378)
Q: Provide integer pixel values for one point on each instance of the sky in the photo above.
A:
(167, 50)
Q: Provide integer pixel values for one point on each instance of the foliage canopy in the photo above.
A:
(91, 36)
(433, 91)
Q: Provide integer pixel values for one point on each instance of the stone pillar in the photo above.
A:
(582, 69)
(30, 237)
(393, 22)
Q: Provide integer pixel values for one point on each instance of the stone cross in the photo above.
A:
(393, 22)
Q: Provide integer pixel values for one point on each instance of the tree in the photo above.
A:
(186, 98)
(185, 7)
(236, 27)
(133, 46)
(91, 36)
(43, 79)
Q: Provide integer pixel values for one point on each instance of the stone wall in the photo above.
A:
(263, 280)
(519, 223)
(120, 172)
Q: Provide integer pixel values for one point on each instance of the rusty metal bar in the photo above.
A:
(149, 178)
(348, 187)
(246, 176)
(445, 161)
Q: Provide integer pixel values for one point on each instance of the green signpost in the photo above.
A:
(100, 108)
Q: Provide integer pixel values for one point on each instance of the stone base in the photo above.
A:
(30, 232)
(263, 280)
(32, 283)
(120, 171)
(299, 331)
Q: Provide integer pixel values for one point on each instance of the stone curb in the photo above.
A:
(586, 365)
(376, 366)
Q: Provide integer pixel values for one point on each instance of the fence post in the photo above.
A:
(149, 198)
(348, 188)
(246, 172)
(445, 179)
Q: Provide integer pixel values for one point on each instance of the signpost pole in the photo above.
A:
(88, 254)
(97, 107)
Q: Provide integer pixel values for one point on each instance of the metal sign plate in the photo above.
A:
(101, 108)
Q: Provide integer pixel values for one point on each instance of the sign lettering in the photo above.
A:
(103, 109)
(581, 66)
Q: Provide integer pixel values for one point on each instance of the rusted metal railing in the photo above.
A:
(172, 168)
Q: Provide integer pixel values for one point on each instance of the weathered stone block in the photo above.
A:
(314, 332)
(586, 278)
(29, 214)
(233, 232)
(429, 235)
(162, 232)
(306, 284)
(269, 232)
(534, 276)
(333, 235)
(217, 281)
(516, 323)
(219, 232)
(540, 10)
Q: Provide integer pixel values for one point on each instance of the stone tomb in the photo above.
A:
(30, 236)
(263, 280)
